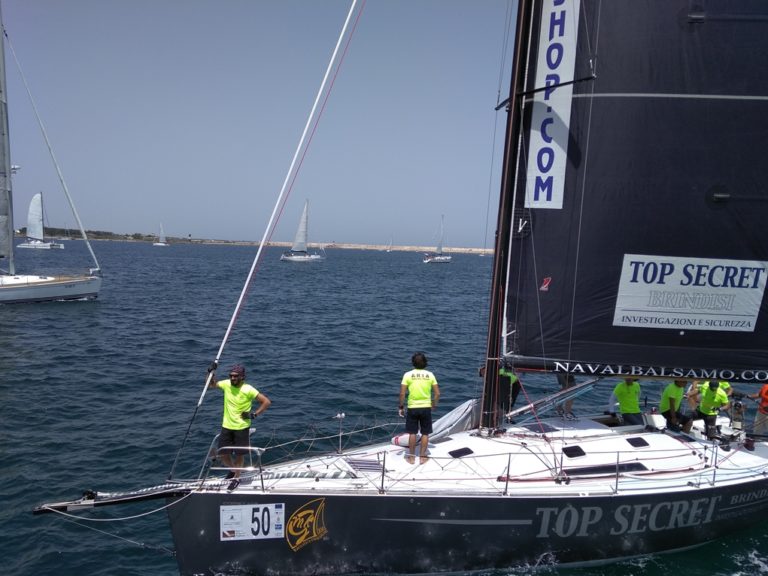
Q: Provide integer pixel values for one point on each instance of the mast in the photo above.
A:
(439, 250)
(6, 200)
(491, 394)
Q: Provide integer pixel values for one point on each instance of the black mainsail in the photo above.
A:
(640, 201)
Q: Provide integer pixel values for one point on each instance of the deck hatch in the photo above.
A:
(637, 442)
(540, 428)
(459, 452)
(574, 451)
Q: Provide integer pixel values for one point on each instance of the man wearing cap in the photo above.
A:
(671, 399)
(236, 423)
(711, 399)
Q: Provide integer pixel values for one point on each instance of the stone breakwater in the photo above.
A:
(345, 246)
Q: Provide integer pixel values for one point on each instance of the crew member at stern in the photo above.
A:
(671, 399)
(711, 399)
(761, 418)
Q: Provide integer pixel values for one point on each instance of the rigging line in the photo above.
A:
(69, 518)
(279, 203)
(53, 156)
(508, 28)
(502, 66)
(587, 141)
(522, 156)
(316, 122)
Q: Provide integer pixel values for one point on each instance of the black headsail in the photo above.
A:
(641, 237)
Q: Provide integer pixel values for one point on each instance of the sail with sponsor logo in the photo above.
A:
(504, 487)
(639, 244)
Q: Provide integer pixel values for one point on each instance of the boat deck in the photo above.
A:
(552, 456)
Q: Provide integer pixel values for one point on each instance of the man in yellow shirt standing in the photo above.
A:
(419, 385)
(711, 399)
(234, 438)
(627, 393)
(671, 399)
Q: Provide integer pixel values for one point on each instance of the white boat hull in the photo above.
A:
(289, 257)
(37, 244)
(436, 259)
(29, 288)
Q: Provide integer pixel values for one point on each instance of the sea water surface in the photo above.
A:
(101, 395)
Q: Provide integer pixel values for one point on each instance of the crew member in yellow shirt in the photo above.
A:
(420, 385)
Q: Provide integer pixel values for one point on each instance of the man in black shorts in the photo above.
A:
(236, 423)
(419, 384)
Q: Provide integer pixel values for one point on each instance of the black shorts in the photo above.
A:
(418, 419)
(709, 419)
(229, 438)
(682, 419)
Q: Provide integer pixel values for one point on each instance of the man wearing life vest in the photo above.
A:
(711, 399)
(761, 418)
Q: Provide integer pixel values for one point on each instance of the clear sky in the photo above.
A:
(188, 112)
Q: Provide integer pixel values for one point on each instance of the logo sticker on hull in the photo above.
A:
(306, 525)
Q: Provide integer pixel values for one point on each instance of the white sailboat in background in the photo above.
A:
(161, 241)
(35, 226)
(18, 288)
(298, 251)
(437, 257)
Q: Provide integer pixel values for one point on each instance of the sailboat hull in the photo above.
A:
(40, 245)
(438, 533)
(20, 288)
(436, 259)
(301, 257)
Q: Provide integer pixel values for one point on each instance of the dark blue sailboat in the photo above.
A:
(629, 243)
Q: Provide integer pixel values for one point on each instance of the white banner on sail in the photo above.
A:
(690, 293)
(551, 116)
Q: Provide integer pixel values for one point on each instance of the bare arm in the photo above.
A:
(264, 403)
(436, 391)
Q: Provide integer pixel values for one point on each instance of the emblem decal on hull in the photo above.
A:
(306, 525)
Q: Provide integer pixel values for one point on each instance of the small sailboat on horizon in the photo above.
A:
(298, 251)
(36, 227)
(161, 241)
(437, 257)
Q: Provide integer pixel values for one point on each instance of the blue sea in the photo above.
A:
(101, 395)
